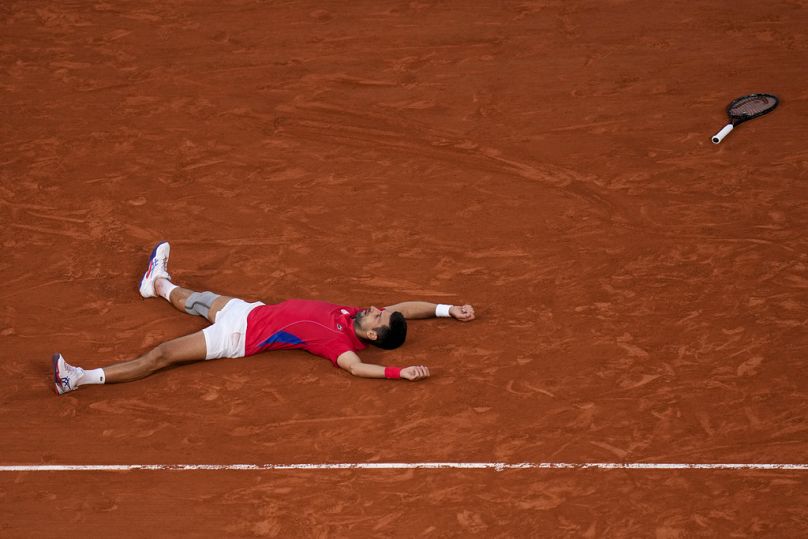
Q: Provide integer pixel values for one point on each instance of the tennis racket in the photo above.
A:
(745, 108)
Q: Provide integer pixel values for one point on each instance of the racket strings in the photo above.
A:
(752, 106)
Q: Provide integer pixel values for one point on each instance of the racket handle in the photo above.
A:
(718, 137)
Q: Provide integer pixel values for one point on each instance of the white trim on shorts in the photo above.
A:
(226, 337)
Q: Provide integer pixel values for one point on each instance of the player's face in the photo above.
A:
(372, 318)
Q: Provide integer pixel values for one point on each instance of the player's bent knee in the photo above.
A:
(199, 303)
(156, 358)
(164, 355)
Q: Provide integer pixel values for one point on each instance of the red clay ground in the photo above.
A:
(642, 293)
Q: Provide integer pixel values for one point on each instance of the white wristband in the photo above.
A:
(442, 311)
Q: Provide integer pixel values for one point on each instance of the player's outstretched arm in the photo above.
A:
(351, 363)
(424, 309)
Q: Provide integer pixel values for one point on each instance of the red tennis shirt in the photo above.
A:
(321, 328)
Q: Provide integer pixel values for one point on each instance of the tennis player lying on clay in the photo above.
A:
(239, 329)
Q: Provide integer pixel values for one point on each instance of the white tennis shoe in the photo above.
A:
(65, 376)
(158, 268)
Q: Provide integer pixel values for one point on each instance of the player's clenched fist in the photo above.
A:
(415, 373)
(464, 313)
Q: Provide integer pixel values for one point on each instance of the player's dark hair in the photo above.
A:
(394, 335)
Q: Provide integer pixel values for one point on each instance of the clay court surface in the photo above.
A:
(642, 294)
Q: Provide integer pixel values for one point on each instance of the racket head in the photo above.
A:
(751, 106)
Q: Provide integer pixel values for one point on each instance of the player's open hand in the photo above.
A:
(415, 373)
(464, 313)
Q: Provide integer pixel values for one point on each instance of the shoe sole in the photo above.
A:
(150, 268)
(57, 382)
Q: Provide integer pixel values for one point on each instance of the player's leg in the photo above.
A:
(186, 349)
(206, 304)
(156, 282)
(182, 350)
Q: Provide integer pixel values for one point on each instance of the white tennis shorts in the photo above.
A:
(226, 337)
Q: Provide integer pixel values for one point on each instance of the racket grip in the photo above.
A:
(718, 137)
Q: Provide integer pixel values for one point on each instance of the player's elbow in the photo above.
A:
(355, 369)
(362, 370)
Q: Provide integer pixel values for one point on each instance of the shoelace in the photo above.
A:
(163, 263)
(71, 372)
(158, 264)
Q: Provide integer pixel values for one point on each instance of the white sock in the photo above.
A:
(93, 376)
(163, 287)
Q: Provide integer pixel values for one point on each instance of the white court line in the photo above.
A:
(498, 466)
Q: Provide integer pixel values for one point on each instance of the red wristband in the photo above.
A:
(392, 372)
